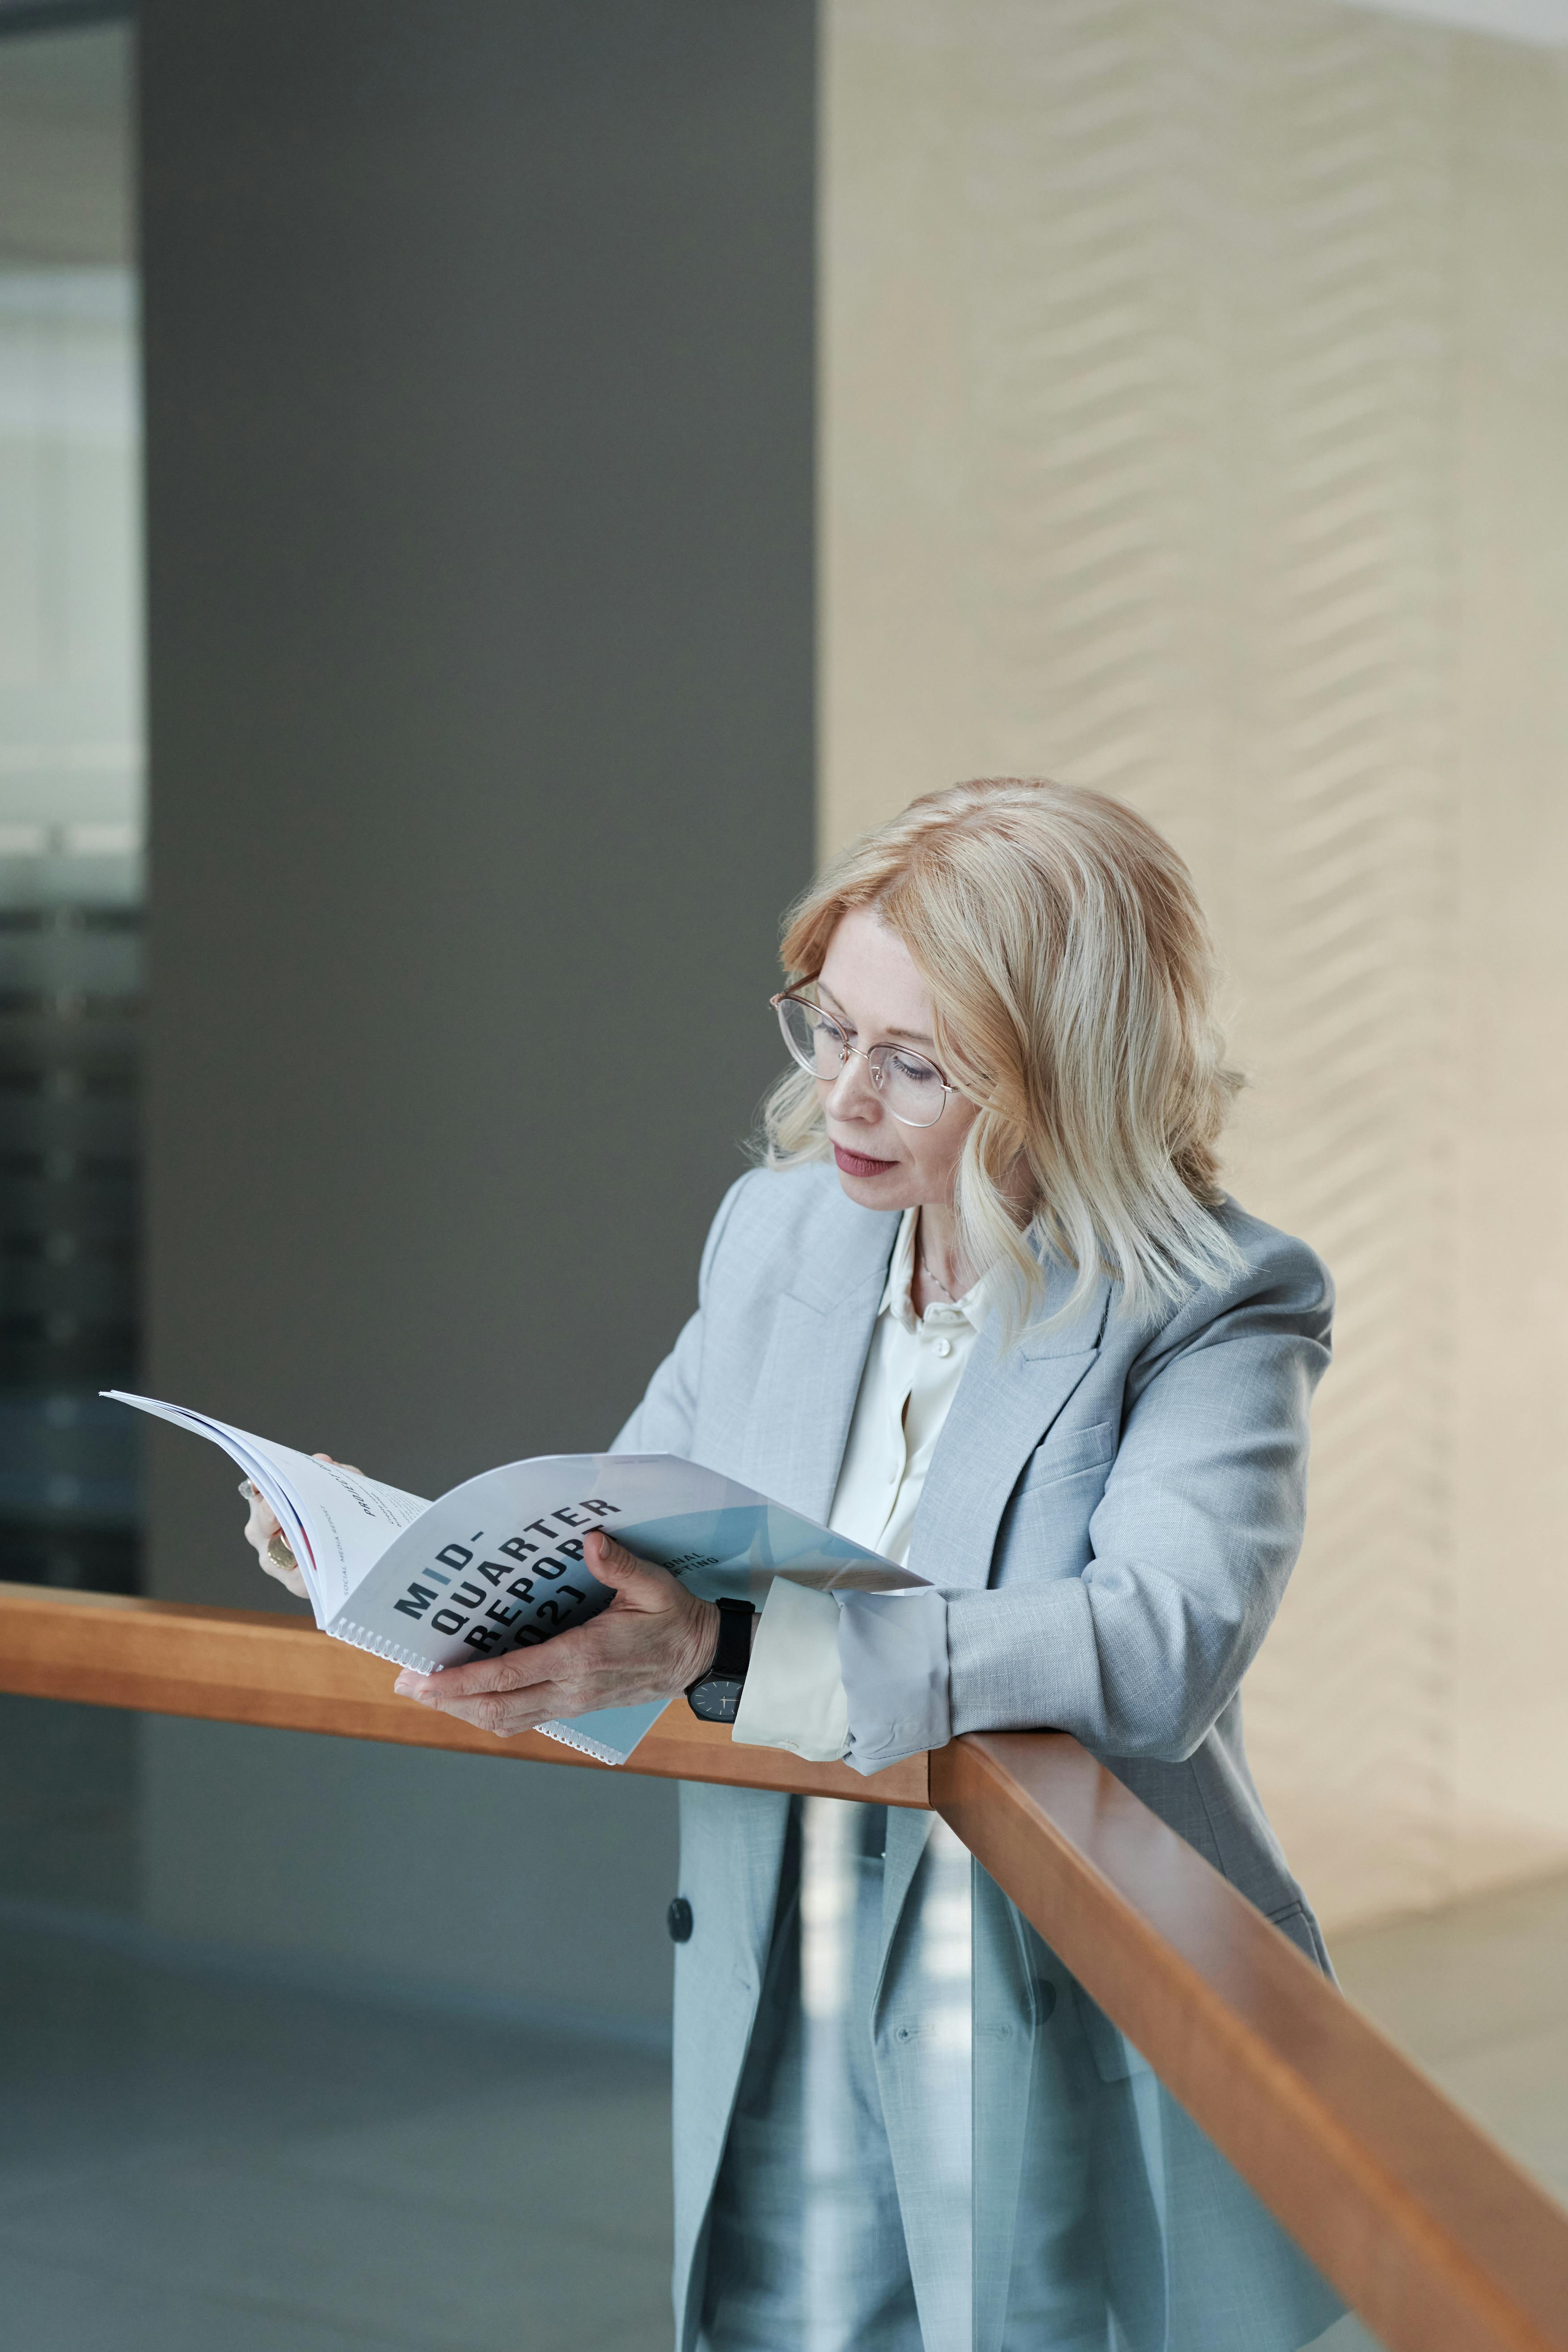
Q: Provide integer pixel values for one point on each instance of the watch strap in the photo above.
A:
(732, 1653)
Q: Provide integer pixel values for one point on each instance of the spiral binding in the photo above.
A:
(361, 1637)
(580, 1739)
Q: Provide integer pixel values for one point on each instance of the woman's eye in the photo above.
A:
(915, 1073)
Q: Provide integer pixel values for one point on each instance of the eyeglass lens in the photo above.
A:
(911, 1086)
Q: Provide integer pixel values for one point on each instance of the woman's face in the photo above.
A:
(869, 984)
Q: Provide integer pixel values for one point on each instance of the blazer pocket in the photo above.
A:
(1065, 1456)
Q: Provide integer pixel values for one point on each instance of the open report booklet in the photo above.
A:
(498, 1563)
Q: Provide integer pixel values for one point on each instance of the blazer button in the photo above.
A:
(677, 1919)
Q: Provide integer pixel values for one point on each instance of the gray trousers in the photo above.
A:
(805, 2238)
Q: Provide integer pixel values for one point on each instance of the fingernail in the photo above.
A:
(405, 1680)
(424, 1698)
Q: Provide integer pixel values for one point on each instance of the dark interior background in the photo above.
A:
(479, 350)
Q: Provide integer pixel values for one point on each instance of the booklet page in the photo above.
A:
(337, 1522)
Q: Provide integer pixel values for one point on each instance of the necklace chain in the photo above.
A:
(931, 1277)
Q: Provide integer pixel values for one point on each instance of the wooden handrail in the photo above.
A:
(1432, 2234)
(1424, 2225)
(241, 1666)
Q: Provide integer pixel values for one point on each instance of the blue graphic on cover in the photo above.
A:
(732, 1555)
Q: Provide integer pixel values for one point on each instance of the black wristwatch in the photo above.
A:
(716, 1695)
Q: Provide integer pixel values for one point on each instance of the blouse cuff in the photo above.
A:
(792, 1697)
(893, 1656)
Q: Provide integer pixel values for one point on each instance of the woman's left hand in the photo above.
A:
(653, 1640)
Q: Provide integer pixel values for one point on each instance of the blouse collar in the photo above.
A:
(898, 1298)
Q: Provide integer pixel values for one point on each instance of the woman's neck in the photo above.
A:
(942, 1273)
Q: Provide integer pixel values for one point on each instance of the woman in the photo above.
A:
(986, 1310)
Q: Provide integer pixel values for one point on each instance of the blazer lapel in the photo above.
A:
(1005, 1404)
(821, 1330)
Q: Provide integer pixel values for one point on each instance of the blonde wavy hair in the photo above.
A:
(1073, 978)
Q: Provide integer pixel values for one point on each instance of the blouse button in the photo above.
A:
(944, 1346)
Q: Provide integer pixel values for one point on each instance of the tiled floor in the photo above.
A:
(188, 2165)
(1479, 1996)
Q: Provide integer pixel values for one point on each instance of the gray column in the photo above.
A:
(480, 363)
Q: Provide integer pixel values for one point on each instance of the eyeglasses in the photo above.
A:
(914, 1089)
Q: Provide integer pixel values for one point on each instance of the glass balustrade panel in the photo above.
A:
(940, 2143)
(1105, 2220)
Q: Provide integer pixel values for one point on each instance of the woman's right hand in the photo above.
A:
(262, 1530)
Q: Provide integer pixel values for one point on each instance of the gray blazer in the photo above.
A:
(1111, 1514)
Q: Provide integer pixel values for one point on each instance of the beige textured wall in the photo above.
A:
(1195, 425)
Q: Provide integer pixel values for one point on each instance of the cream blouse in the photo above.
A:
(794, 1696)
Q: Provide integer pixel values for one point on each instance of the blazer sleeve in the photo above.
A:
(1191, 1544)
(665, 1421)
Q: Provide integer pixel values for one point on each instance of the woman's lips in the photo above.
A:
(859, 1164)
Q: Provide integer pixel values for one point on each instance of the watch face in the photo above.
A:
(716, 1698)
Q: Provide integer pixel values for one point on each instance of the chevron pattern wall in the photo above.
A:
(1151, 415)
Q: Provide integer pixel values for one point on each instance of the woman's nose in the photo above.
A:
(853, 1089)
